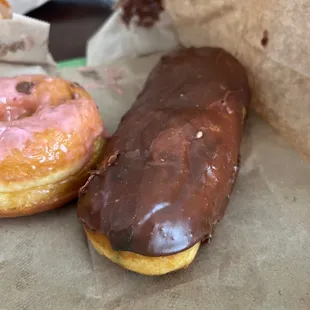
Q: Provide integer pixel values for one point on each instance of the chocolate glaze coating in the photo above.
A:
(147, 12)
(171, 165)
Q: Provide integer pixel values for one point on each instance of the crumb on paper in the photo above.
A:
(265, 39)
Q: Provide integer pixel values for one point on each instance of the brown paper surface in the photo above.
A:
(279, 72)
(259, 257)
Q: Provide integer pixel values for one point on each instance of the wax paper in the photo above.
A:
(259, 257)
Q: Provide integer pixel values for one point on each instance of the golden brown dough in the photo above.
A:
(150, 266)
(51, 136)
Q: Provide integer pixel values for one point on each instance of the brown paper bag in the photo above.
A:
(272, 39)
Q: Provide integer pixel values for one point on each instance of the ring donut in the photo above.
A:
(51, 136)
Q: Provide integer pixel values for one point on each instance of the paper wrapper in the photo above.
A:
(24, 6)
(24, 47)
(271, 38)
(259, 257)
(115, 40)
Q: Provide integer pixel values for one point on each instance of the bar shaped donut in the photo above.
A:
(171, 165)
(51, 136)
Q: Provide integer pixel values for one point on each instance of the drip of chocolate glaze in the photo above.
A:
(147, 12)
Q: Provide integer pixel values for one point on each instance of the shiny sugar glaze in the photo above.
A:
(25, 112)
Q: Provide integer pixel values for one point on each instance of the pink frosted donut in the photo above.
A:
(51, 136)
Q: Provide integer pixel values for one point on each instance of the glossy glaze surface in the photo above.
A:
(170, 167)
(35, 104)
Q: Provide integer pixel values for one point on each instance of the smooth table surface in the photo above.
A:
(72, 24)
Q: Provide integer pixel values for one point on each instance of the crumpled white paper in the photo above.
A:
(24, 47)
(114, 40)
(24, 6)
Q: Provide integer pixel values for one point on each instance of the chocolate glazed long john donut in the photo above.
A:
(170, 167)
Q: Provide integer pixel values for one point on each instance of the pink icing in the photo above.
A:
(71, 117)
(11, 101)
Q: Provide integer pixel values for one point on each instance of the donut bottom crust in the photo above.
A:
(150, 266)
(48, 196)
